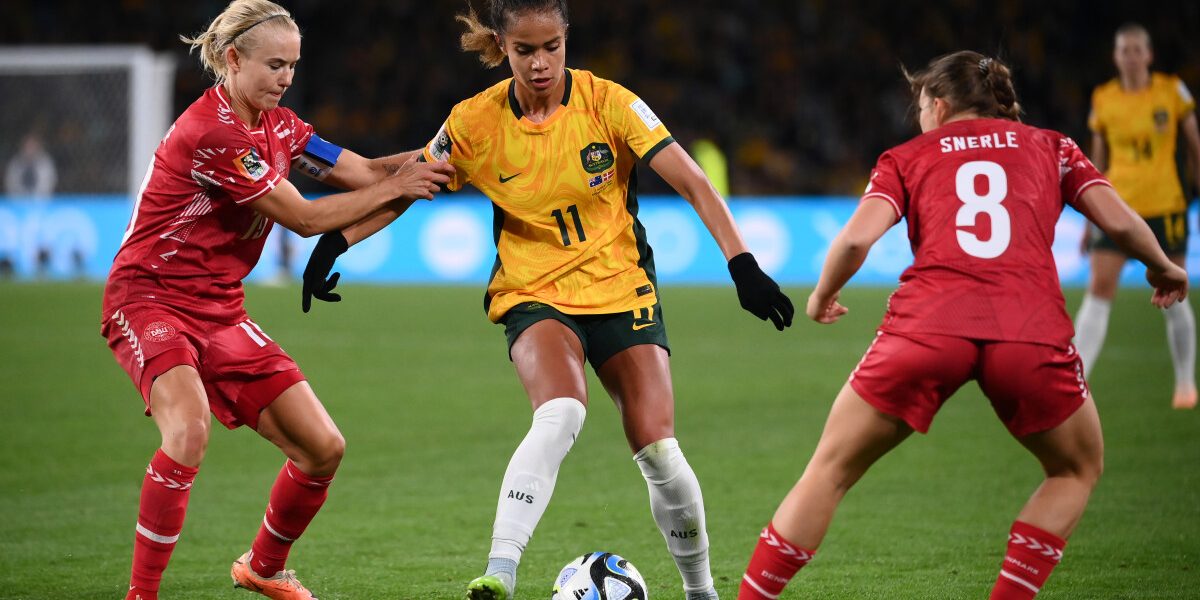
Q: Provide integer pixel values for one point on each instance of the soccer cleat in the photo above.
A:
(488, 587)
(280, 586)
(1184, 400)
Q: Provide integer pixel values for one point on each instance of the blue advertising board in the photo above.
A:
(450, 241)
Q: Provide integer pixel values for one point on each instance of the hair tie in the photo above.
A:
(984, 64)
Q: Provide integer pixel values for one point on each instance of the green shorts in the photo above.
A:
(602, 336)
(1170, 229)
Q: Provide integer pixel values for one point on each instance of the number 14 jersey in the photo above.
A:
(982, 198)
(563, 192)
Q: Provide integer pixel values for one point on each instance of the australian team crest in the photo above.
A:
(596, 157)
(1161, 119)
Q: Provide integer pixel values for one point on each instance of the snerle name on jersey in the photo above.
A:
(958, 143)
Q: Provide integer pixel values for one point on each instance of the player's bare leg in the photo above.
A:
(639, 381)
(1181, 338)
(180, 409)
(1091, 322)
(856, 435)
(298, 424)
(549, 360)
(1072, 456)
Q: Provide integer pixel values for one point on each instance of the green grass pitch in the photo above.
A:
(420, 385)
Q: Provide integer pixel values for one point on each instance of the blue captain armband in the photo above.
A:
(318, 157)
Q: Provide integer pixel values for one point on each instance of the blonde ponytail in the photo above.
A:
(227, 30)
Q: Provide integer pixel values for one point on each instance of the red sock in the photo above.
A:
(772, 566)
(165, 491)
(295, 500)
(1032, 554)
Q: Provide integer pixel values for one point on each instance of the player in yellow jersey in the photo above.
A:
(1134, 122)
(555, 150)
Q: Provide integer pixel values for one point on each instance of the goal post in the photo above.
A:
(103, 110)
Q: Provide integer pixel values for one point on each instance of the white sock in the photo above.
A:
(1181, 336)
(1091, 326)
(529, 481)
(678, 509)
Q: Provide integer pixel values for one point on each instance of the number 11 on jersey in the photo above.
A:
(562, 224)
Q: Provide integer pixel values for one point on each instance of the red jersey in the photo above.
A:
(982, 198)
(194, 233)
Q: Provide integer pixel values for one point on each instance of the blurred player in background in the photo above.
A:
(173, 305)
(555, 149)
(981, 193)
(1134, 121)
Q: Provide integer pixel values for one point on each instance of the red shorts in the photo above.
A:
(1032, 387)
(243, 369)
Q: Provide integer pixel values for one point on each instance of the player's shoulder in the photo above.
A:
(1107, 91)
(210, 118)
(482, 111)
(592, 91)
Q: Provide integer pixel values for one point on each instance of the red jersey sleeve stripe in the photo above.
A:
(892, 201)
(1087, 184)
(270, 186)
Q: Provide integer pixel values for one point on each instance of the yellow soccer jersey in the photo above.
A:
(1140, 130)
(563, 194)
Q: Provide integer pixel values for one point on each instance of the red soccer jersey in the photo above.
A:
(982, 197)
(194, 233)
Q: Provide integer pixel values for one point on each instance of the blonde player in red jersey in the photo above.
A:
(981, 193)
(173, 304)
(556, 150)
(1135, 121)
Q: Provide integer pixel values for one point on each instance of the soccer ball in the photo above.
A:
(599, 576)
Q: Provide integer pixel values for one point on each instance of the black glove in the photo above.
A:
(329, 247)
(758, 293)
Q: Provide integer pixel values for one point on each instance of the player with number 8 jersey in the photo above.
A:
(981, 193)
(976, 197)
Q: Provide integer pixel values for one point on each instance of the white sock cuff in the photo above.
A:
(1178, 310)
(661, 461)
(568, 413)
(1096, 303)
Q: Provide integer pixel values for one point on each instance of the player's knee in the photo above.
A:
(326, 456)
(562, 416)
(187, 441)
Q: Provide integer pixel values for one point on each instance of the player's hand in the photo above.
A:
(1170, 286)
(419, 180)
(758, 293)
(825, 310)
(1085, 241)
(320, 263)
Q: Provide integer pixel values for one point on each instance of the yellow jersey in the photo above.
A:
(563, 194)
(1140, 129)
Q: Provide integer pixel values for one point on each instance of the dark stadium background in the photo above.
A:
(801, 95)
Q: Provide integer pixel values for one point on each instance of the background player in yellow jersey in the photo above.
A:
(555, 149)
(1134, 122)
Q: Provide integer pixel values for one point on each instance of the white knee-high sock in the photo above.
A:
(529, 481)
(1181, 336)
(678, 509)
(1091, 326)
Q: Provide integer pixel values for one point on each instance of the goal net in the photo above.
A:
(97, 111)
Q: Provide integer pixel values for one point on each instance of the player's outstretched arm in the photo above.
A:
(353, 172)
(846, 255)
(757, 292)
(287, 207)
(1102, 206)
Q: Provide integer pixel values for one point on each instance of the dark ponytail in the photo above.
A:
(481, 33)
(970, 82)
